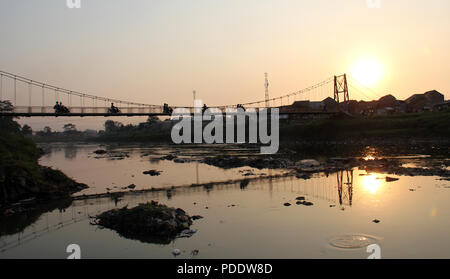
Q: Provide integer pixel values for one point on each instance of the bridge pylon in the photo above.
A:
(341, 87)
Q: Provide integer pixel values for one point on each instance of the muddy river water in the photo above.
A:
(240, 221)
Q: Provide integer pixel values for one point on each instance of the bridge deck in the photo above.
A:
(136, 111)
(39, 114)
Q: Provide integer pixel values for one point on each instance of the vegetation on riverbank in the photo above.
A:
(416, 125)
(21, 176)
(427, 125)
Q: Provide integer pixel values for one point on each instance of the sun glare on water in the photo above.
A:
(371, 184)
(367, 71)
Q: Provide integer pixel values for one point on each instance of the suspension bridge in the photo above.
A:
(31, 98)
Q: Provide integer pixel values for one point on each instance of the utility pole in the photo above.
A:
(193, 93)
(266, 85)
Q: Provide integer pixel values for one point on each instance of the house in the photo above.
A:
(329, 104)
(434, 97)
(425, 101)
(442, 106)
(387, 101)
(389, 104)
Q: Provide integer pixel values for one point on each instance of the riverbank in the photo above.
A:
(307, 135)
(23, 180)
(426, 125)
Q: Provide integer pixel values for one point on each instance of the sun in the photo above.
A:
(367, 71)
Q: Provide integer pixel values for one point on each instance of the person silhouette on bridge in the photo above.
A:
(114, 109)
(59, 108)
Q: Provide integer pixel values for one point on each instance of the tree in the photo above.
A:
(7, 123)
(47, 130)
(6, 106)
(26, 130)
(69, 128)
(152, 119)
(112, 126)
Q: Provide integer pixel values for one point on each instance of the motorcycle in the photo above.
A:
(113, 110)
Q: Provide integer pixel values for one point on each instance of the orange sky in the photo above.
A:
(159, 51)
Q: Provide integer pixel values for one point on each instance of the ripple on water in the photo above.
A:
(353, 241)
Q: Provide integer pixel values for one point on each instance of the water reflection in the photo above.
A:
(20, 229)
(345, 189)
(23, 228)
(70, 152)
(371, 183)
(234, 231)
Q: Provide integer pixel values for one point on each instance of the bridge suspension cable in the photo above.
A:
(59, 90)
(288, 96)
(33, 92)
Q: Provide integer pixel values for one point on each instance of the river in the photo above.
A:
(240, 221)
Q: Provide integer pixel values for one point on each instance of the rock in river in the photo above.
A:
(150, 222)
(390, 179)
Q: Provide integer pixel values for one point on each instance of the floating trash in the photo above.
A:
(176, 252)
(353, 241)
(194, 252)
(187, 233)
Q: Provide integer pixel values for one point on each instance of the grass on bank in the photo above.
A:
(418, 125)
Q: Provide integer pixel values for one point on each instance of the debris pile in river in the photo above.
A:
(152, 172)
(100, 151)
(228, 162)
(148, 222)
(307, 167)
(111, 154)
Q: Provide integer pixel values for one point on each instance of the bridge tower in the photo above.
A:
(266, 85)
(340, 87)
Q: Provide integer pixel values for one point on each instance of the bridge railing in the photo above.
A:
(123, 110)
(88, 110)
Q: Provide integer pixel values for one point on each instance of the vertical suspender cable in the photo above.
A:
(1, 87)
(29, 93)
(15, 91)
(29, 96)
(43, 98)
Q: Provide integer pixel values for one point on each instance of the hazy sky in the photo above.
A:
(156, 51)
